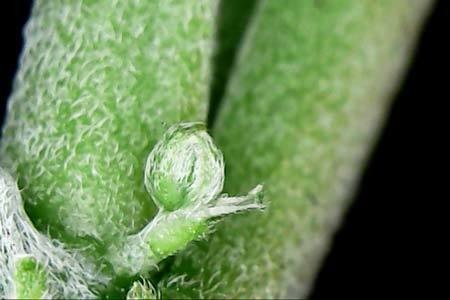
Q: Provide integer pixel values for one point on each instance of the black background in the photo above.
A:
(378, 250)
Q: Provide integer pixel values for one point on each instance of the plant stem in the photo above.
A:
(98, 83)
(304, 105)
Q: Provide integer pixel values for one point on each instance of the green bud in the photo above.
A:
(184, 176)
(184, 168)
(30, 279)
(174, 234)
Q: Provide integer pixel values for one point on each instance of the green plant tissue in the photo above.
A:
(304, 104)
(99, 82)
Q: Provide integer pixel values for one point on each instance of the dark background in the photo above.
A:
(386, 244)
(378, 250)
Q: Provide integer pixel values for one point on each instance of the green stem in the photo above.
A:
(98, 83)
(304, 105)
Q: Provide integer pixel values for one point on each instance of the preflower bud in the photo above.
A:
(184, 168)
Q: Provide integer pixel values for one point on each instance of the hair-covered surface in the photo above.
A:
(69, 275)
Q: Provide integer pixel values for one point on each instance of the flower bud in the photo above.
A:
(184, 168)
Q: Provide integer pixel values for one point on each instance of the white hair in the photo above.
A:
(69, 274)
